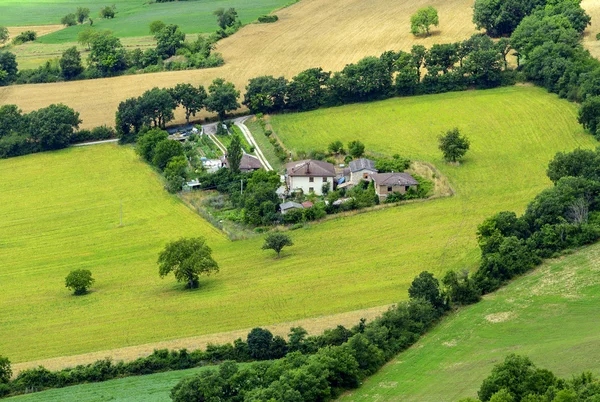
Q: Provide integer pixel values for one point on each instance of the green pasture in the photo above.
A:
(146, 388)
(61, 212)
(549, 315)
(133, 16)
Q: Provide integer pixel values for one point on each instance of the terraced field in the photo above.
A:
(548, 315)
(61, 212)
(310, 33)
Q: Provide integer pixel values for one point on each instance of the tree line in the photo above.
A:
(50, 128)
(518, 379)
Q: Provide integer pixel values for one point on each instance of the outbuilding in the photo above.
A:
(388, 183)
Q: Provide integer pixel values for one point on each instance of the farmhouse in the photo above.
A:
(387, 183)
(248, 163)
(309, 176)
(361, 169)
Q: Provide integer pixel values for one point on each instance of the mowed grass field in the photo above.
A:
(61, 212)
(133, 16)
(549, 315)
(148, 388)
(310, 33)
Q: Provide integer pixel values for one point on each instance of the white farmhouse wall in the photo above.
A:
(303, 182)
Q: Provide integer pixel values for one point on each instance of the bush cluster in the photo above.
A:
(96, 134)
(266, 19)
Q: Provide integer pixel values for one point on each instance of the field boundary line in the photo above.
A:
(315, 325)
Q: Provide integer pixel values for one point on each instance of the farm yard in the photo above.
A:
(309, 33)
(389, 249)
(548, 315)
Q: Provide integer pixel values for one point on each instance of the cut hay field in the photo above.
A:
(310, 33)
(61, 210)
(549, 315)
(133, 16)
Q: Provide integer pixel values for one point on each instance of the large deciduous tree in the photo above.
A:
(165, 151)
(8, 68)
(265, 94)
(501, 17)
(106, 54)
(222, 98)
(453, 145)
(130, 118)
(82, 14)
(426, 286)
(52, 127)
(146, 143)
(192, 99)
(422, 20)
(79, 281)
(168, 40)
(226, 18)
(158, 105)
(70, 63)
(187, 259)
(306, 91)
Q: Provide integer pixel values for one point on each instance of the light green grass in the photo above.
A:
(147, 388)
(263, 142)
(549, 315)
(133, 16)
(61, 210)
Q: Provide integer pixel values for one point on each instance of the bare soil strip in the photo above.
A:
(314, 325)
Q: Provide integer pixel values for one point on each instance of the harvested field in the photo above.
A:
(41, 30)
(589, 40)
(310, 33)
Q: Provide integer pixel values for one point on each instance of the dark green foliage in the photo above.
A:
(69, 20)
(356, 149)
(8, 68)
(260, 343)
(79, 281)
(306, 90)
(82, 13)
(222, 98)
(366, 80)
(336, 148)
(168, 40)
(158, 106)
(234, 153)
(461, 289)
(175, 173)
(191, 98)
(70, 63)
(25, 36)
(265, 19)
(165, 151)
(107, 55)
(425, 286)
(226, 18)
(578, 163)
(517, 375)
(265, 94)
(589, 115)
(147, 143)
(5, 370)
(96, 134)
(501, 17)
(52, 127)
(130, 118)
(156, 26)
(187, 258)
(107, 12)
(453, 145)
(277, 241)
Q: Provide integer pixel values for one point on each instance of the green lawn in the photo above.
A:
(133, 16)
(550, 315)
(61, 212)
(147, 388)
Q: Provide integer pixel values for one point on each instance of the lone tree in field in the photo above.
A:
(187, 259)
(234, 154)
(69, 20)
(222, 98)
(277, 241)
(453, 145)
(422, 20)
(79, 281)
(82, 14)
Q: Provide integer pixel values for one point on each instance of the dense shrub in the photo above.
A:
(265, 19)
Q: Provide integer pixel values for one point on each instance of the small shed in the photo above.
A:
(288, 206)
(387, 183)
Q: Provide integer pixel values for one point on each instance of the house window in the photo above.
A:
(311, 179)
(406, 188)
(311, 189)
(389, 189)
(365, 176)
(324, 179)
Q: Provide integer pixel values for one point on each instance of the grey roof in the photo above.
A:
(394, 179)
(310, 167)
(248, 162)
(290, 205)
(362, 164)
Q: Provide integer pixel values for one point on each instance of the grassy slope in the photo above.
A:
(133, 16)
(147, 388)
(61, 210)
(549, 315)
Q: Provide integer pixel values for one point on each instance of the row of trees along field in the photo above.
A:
(107, 57)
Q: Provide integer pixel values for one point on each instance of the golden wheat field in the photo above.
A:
(311, 33)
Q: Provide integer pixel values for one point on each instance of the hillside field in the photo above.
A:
(549, 315)
(310, 33)
(61, 212)
(133, 16)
